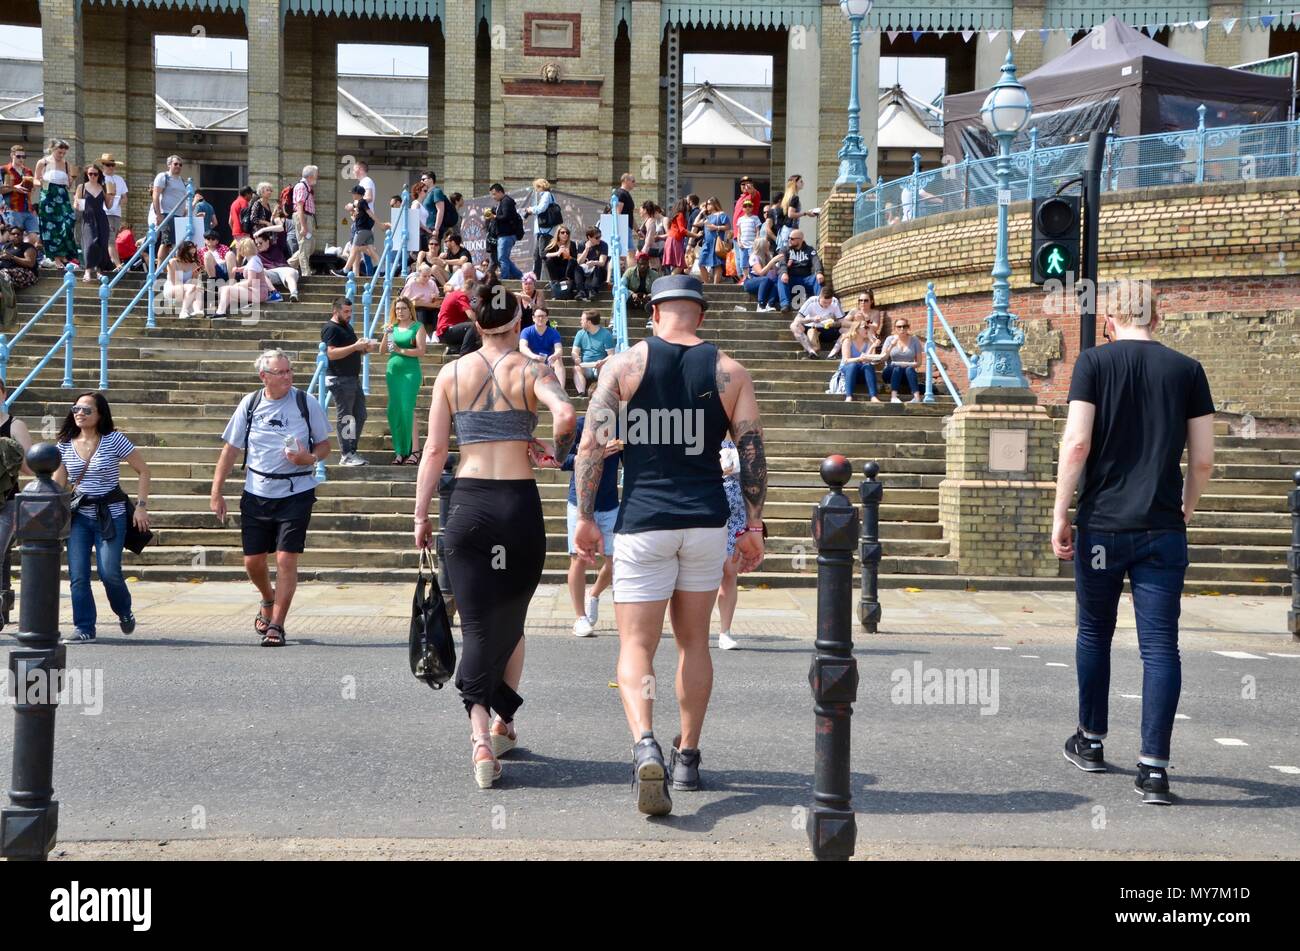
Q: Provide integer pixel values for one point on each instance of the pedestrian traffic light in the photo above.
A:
(1056, 239)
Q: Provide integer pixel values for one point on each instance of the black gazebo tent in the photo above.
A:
(1118, 78)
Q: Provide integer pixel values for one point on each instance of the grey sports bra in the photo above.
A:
(490, 425)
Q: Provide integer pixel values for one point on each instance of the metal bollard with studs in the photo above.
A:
(833, 676)
(1293, 560)
(869, 550)
(29, 824)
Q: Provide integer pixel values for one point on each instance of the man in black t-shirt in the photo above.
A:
(343, 378)
(1134, 405)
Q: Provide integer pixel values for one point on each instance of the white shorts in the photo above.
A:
(650, 566)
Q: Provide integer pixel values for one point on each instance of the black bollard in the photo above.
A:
(869, 551)
(834, 672)
(29, 824)
(1293, 561)
(446, 482)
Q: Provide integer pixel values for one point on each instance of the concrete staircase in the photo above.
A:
(173, 389)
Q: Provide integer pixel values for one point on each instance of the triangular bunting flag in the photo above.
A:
(1201, 24)
(942, 33)
(1228, 24)
(1018, 34)
(993, 35)
(892, 34)
(1043, 34)
(966, 35)
(916, 35)
(1150, 30)
(1267, 21)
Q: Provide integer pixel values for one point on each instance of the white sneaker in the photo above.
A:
(593, 610)
(895, 399)
(583, 627)
(352, 459)
(726, 642)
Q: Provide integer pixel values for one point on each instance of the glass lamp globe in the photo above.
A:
(855, 8)
(1006, 110)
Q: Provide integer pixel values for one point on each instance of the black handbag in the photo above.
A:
(136, 540)
(431, 647)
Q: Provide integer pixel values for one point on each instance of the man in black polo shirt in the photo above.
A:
(670, 538)
(1134, 405)
(343, 378)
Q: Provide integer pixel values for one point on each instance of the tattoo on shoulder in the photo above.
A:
(723, 378)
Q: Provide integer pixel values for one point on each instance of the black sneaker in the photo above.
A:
(684, 767)
(128, 624)
(1085, 753)
(1152, 784)
(650, 778)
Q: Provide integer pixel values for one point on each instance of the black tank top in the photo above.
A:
(672, 476)
(5, 427)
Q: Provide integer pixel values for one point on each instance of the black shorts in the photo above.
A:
(269, 525)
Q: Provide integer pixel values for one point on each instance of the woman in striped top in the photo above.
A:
(92, 451)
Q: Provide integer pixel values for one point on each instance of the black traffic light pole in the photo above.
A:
(1087, 284)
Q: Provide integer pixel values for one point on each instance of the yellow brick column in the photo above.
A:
(833, 107)
(1028, 15)
(105, 72)
(1224, 49)
(460, 30)
(63, 52)
(995, 502)
(645, 144)
(265, 77)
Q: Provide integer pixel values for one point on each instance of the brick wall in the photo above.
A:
(1224, 49)
(1222, 259)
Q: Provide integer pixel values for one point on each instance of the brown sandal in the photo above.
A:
(274, 636)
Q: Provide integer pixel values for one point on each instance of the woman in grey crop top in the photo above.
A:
(494, 538)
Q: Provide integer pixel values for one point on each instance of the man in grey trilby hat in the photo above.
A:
(674, 398)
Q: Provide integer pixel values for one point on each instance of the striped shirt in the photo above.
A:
(747, 230)
(100, 475)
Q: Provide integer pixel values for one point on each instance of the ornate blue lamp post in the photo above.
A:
(853, 153)
(1005, 112)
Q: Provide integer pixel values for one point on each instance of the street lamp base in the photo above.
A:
(28, 833)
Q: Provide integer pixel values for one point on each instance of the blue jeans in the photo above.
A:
(895, 376)
(809, 284)
(506, 244)
(764, 289)
(108, 562)
(1156, 563)
(742, 259)
(855, 373)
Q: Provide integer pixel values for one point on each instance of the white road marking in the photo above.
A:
(1029, 656)
(1229, 741)
(1057, 665)
(1292, 770)
(1131, 696)
(1181, 716)
(1271, 654)
(1238, 655)
(1002, 648)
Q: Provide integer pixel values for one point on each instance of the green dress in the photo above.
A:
(404, 379)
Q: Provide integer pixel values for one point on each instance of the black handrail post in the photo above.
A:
(869, 550)
(834, 672)
(29, 824)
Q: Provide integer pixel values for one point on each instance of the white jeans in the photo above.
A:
(650, 566)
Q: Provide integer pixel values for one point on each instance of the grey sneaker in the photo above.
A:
(684, 766)
(650, 778)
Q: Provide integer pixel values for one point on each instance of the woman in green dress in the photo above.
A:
(406, 342)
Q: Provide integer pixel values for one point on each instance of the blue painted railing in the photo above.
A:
(148, 287)
(619, 309)
(1229, 153)
(66, 339)
(932, 351)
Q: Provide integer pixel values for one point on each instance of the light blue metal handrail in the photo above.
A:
(932, 351)
(66, 339)
(393, 254)
(318, 389)
(149, 286)
(1200, 154)
(619, 288)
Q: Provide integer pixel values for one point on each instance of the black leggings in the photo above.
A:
(495, 543)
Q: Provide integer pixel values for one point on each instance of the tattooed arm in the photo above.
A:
(617, 382)
(741, 404)
(549, 391)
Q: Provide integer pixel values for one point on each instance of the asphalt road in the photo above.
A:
(206, 736)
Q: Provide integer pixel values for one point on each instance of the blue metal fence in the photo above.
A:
(1225, 154)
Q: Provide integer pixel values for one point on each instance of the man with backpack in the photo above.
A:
(301, 208)
(283, 433)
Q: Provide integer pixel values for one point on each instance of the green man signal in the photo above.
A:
(1056, 239)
